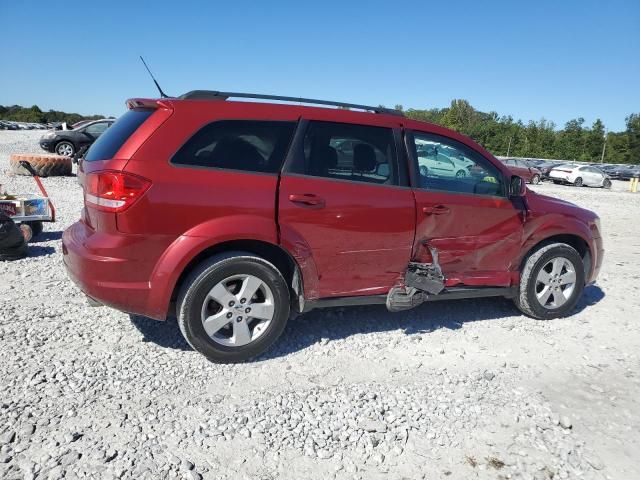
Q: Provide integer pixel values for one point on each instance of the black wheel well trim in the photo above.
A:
(571, 239)
(275, 254)
(60, 140)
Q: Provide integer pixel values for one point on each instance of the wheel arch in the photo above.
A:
(574, 240)
(270, 252)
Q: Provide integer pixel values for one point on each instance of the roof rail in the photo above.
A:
(215, 95)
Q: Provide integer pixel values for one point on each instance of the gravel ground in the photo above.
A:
(459, 390)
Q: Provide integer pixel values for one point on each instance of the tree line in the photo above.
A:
(504, 136)
(16, 113)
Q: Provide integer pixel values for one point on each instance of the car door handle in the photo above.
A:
(436, 210)
(307, 199)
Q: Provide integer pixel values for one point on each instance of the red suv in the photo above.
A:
(237, 215)
(520, 167)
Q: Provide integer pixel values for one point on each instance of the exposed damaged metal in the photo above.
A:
(420, 281)
(425, 276)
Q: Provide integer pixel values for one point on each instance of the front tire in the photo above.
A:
(233, 306)
(535, 180)
(578, 182)
(606, 183)
(551, 282)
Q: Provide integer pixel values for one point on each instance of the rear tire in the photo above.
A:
(535, 180)
(44, 165)
(606, 183)
(195, 303)
(548, 294)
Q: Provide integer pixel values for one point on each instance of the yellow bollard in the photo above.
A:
(634, 184)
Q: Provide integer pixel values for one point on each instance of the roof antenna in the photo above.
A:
(162, 94)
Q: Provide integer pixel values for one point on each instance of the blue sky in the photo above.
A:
(558, 60)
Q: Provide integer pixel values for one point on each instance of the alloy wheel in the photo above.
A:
(238, 310)
(555, 283)
(64, 149)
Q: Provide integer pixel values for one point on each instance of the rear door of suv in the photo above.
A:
(345, 206)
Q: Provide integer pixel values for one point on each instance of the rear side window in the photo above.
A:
(106, 146)
(343, 151)
(249, 145)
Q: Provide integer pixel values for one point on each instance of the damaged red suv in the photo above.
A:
(235, 215)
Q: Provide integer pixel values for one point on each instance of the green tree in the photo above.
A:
(594, 140)
(633, 135)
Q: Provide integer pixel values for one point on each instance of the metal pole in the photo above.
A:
(604, 147)
(509, 147)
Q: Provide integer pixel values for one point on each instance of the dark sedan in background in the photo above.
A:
(632, 171)
(68, 142)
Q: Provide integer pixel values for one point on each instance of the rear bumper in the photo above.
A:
(560, 177)
(107, 268)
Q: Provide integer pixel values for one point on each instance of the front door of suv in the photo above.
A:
(346, 209)
(475, 229)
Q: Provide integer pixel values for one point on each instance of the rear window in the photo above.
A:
(249, 145)
(106, 146)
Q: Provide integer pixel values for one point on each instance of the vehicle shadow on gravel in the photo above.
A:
(592, 295)
(339, 323)
(164, 334)
(343, 322)
(47, 237)
(37, 251)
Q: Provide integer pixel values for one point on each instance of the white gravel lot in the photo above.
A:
(457, 390)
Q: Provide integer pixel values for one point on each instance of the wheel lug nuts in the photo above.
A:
(232, 303)
(229, 315)
(247, 310)
(239, 319)
(244, 300)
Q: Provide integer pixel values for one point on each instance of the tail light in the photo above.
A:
(113, 191)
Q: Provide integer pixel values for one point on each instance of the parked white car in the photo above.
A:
(579, 175)
(436, 161)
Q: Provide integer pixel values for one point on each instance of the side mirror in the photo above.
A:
(517, 186)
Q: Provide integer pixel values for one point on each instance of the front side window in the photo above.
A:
(446, 165)
(344, 151)
(249, 145)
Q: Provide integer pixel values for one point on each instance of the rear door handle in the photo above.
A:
(436, 210)
(307, 199)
